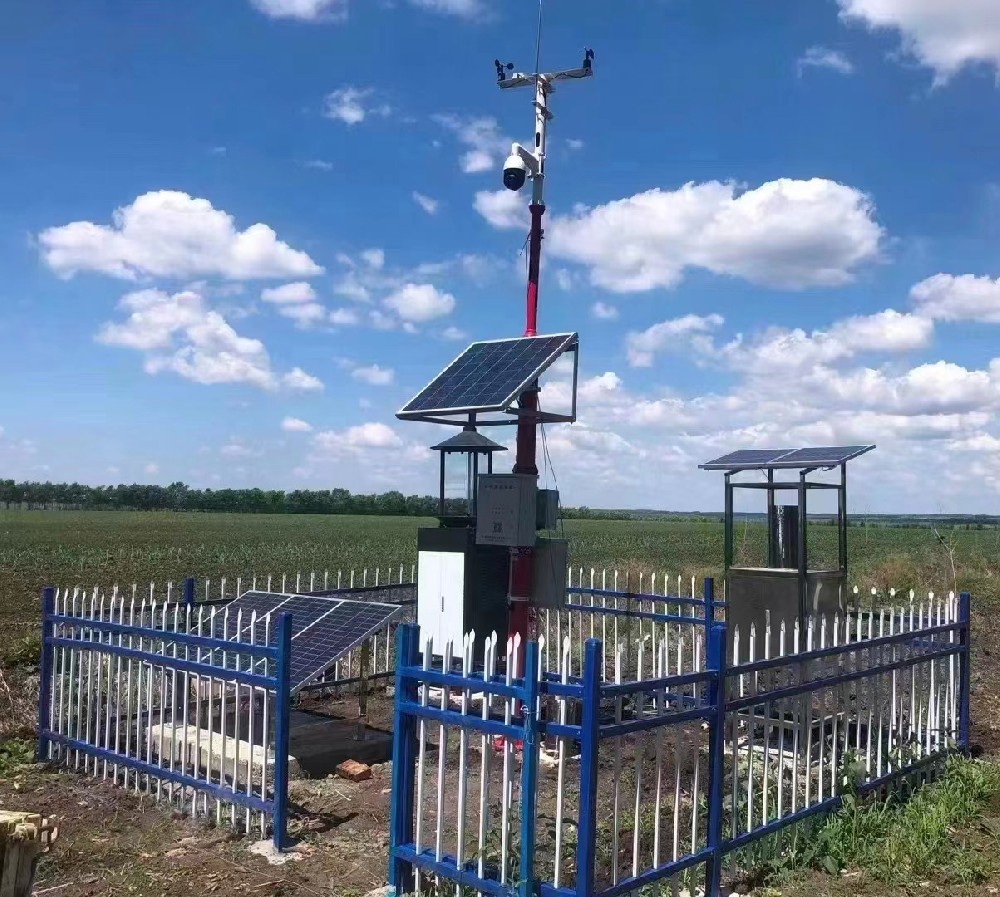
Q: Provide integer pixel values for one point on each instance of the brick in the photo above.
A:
(354, 771)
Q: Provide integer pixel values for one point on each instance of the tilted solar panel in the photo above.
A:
(324, 629)
(776, 459)
(488, 376)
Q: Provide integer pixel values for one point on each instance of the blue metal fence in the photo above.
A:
(133, 693)
(670, 776)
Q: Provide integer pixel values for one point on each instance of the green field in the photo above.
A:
(94, 547)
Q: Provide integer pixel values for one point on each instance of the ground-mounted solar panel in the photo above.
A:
(317, 647)
(777, 459)
(488, 376)
(324, 629)
(746, 458)
(826, 455)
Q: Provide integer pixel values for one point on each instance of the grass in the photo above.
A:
(929, 835)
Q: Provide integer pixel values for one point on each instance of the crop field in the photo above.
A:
(96, 547)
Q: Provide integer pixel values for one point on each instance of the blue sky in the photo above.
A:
(236, 236)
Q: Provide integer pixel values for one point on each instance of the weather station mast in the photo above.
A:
(485, 565)
(521, 165)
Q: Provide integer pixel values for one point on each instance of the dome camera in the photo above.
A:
(515, 172)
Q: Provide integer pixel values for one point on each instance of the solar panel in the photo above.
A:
(747, 458)
(488, 376)
(317, 647)
(776, 459)
(823, 455)
(324, 629)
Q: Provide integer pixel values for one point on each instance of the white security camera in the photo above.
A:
(515, 172)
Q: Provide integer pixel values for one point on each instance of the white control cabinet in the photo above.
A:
(441, 599)
(506, 510)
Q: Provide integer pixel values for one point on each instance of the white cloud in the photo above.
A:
(781, 350)
(372, 435)
(298, 379)
(643, 346)
(374, 258)
(289, 293)
(945, 297)
(352, 105)
(296, 301)
(430, 206)
(453, 333)
(604, 312)
(501, 208)
(180, 333)
(303, 10)
(825, 58)
(373, 375)
(564, 279)
(170, 234)
(318, 164)
(420, 303)
(574, 144)
(788, 234)
(945, 35)
(237, 450)
(344, 317)
(296, 425)
(485, 144)
(465, 9)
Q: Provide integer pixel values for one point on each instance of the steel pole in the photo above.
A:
(522, 565)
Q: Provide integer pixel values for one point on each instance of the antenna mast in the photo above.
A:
(521, 165)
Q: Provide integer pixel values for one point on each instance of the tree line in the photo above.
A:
(181, 497)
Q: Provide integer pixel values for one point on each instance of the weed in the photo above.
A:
(902, 840)
(14, 754)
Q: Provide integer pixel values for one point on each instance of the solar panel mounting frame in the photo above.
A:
(570, 344)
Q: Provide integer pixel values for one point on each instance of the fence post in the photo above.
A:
(529, 771)
(282, 709)
(709, 592)
(189, 590)
(404, 760)
(716, 754)
(590, 725)
(964, 678)
(45, 686)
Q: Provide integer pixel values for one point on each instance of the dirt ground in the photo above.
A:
(113, 842)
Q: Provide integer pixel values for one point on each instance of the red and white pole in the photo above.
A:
(522, 562)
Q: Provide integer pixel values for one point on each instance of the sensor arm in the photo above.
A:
(527, 157)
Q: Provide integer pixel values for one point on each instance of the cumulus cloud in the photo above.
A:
(787, 234)
(167, 233)
(180, 333)
(945, 35)
(501, 208)
(485, 145)
(296, 425)
(373, 375)
(373, 435)
(420, 303)
(825, 58)
(945, 297)
(296, 301)
(344, 317)
(303, 10)
(641, 347)
(352, 105)
(604, 312)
